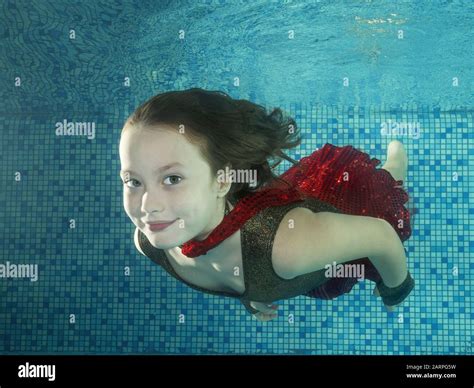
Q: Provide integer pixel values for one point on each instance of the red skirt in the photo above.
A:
(347, 179)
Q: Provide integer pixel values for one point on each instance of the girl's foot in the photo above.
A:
(397, 161)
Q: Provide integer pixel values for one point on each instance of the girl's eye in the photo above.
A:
(125, 182)
(134, 181)
(173, 176)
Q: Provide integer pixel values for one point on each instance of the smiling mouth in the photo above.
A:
(160, 226)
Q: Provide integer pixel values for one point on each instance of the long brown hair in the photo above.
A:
(231, 132)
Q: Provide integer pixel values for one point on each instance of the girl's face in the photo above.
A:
(166, 179)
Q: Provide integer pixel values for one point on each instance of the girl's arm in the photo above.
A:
(319, 239)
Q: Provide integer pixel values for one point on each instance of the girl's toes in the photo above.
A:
(395, 150)
(397, 160)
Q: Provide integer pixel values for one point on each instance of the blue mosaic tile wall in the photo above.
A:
(85, 302)
(61, 196)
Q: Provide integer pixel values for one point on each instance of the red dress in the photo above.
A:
(347, 179)
(341, 176)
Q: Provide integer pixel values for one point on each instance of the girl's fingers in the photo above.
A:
(264, 317)
(391, 308)
(264, 308)
(265, 312)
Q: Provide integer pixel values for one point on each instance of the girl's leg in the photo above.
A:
(397, 161)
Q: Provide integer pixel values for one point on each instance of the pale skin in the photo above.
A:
(392, 267)
(188, 193)
(368, 237)
(397, 166)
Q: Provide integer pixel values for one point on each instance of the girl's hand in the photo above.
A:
(266, 312)
(389, 308)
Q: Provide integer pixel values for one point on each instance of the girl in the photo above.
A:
(207, 207)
